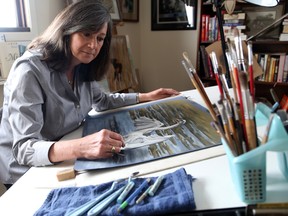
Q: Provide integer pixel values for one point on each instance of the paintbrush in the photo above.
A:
(230, 65)
(239, 50)
(250, 70)
(238, 89)
(198, 84)
(225, 123)
(215, 69)
(267, 129)
(248, 106)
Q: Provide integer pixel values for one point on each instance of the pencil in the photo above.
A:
(267, 129)
(134, 195)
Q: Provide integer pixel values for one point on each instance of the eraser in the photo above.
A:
(66, 174)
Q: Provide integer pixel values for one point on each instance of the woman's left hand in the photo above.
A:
(157, 94)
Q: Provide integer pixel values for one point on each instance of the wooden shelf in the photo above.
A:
(262, 90)
(270, 46)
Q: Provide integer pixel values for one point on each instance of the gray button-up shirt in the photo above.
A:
(39, 108)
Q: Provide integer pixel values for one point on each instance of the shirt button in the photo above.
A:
(78, 106)
(79, 123)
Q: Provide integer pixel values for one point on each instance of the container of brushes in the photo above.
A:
(248, 170)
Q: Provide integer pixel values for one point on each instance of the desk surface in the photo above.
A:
(213, 187)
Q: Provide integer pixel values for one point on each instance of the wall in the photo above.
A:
(158, 54)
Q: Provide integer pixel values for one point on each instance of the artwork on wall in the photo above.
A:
(112, 5)
(129, 10)
(121, 75)
(173, 15)
(258, 18)
(152, 131)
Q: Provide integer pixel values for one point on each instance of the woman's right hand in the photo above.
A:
(102, 144)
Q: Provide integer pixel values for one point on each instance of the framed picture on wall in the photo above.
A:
(112, 5)
(129, 10)
(173, 15)
(258, 18)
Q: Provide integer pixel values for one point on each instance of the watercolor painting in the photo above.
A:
(152, 131)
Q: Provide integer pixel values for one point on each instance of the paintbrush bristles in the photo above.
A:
(186, 57)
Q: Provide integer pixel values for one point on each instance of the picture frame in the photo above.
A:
(129, 10)
(114, 10)
(112, 6)
(172, 15)
(258, 18)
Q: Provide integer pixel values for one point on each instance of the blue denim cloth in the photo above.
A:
(175, 194)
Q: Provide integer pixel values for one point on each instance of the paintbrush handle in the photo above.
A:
(229, 138)
(251, 84)
(251, 134)
(237, 143)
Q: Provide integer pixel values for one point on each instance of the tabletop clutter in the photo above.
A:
(159, 195)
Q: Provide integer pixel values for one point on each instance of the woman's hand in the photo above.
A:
(157, 94)
(102, 144)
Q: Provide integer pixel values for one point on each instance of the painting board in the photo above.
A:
(153, 131)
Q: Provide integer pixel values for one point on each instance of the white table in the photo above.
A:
(213, 187)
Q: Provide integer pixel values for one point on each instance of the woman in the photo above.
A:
(52, 87)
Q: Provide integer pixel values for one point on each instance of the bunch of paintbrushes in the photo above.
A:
(233, 117)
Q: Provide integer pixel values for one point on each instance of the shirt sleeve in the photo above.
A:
(103, 101)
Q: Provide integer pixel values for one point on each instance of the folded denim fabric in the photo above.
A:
(175, 194)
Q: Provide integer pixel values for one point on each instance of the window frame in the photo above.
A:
(21, 19)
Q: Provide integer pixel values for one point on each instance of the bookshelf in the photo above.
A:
(266, 44)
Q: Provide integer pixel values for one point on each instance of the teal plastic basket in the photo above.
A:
(248, 170)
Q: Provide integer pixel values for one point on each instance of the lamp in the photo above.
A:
(264, 3)
(218, 5)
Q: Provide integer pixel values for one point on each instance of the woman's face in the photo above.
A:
(85, 46)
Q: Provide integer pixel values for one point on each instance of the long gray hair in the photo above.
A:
(82, 16)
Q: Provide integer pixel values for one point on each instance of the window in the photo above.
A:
(12, 16)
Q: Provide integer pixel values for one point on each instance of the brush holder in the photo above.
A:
(248, 170)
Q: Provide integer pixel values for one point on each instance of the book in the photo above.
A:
(237, 16)
(203, 27)
(284, 102)
(9, 52)
(283, 37)
(207, 65)
(285, 29)
(282, 60)
(285, 70)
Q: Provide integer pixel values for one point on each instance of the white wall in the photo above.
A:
(158, 54)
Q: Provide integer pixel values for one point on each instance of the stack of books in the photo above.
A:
(284, 34)
(235, 20)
